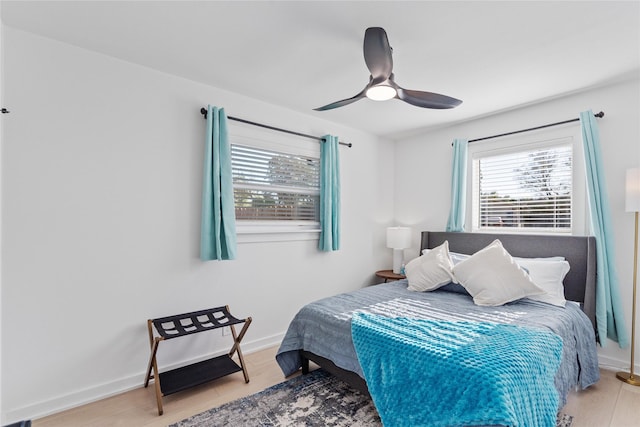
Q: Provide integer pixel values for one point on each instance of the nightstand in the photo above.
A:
(389, 275)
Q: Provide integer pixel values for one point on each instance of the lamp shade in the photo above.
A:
(633, 190)
(398, 237)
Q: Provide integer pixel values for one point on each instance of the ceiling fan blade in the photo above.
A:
(377, 54)
(427, 99)
(343, 102)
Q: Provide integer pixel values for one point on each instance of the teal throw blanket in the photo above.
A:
(440, 373)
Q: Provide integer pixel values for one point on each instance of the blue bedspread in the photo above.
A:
(324, 327)
(484, 373)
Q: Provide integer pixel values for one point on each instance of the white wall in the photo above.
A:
(423, 165)
(1, 145)
(101, 183)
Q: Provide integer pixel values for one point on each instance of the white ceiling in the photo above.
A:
(301, 55)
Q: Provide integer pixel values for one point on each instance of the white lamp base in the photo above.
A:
(398, 256)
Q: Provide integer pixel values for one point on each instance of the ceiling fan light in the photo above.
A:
(381, 92)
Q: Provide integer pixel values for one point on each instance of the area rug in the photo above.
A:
(316, 399)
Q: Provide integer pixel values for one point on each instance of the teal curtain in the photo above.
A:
(329, 195)
(609, 314)
(218, 228)
(458, 186)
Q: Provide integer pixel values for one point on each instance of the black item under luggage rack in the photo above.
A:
(198, 373)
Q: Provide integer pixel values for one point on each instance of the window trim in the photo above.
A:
(251, 231)
(569, 134)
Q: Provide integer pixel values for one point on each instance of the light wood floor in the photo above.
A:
(608, 403)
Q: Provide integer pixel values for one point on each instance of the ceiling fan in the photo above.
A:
(381, 87)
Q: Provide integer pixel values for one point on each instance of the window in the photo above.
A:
(527, 188)
(268, 185)
(276, 185)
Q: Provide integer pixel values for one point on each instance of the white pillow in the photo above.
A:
(430, 271)
(458, 257)
(493, 278)
(548, 274)
(545, 259)
(455, 256)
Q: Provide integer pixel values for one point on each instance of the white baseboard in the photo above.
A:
(613, 364)
(112, 388)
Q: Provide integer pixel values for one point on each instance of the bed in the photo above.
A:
(321, 331)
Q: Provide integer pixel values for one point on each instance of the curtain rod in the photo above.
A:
(600, 115)
(203, 111)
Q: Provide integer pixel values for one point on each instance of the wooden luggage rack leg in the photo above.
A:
(201, 372)
(236, 345)
(153, 364)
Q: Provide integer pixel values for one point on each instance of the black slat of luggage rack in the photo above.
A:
(172, 326)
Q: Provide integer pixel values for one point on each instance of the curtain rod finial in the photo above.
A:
(203, 111)
(600, 114)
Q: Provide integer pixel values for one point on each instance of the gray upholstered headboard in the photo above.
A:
(580, 252)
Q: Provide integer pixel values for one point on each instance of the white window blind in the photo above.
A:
(528, 190)
(275, 186)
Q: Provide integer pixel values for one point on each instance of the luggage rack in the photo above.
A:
(179, 325)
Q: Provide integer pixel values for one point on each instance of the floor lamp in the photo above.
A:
(633, 205)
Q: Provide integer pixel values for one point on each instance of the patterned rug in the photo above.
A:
(316, 399)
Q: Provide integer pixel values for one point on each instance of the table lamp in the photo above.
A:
(398, 238)
(633, 205)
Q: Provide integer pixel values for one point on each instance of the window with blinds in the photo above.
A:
(275, 186)
(528, 190)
